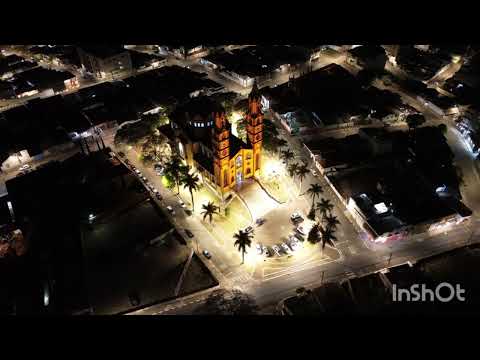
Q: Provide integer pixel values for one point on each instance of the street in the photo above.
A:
(269, 280)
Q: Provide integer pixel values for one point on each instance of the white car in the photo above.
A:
(182, 204)
(301, 230)
(24, 167)
(296, 217)
(286, 248)
(137, 172)
(265, 251)
(170, 209)
(259, 249)
(276, 250)
(314, 172)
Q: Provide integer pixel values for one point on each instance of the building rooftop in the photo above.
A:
(367, 51)
(259, 60)
(102, 51)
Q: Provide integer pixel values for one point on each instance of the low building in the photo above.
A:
(257, 63)
(391, 187)
(13, 64)
(330, 96)
(103, 62)
(371, 57)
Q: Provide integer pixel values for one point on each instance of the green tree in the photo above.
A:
(209, 210)
(327, 237)
(175, 171)
(314, 191)
(302, 172)
(287, 156)
(414, 121)
(324, 206)
(292, 169)
(192, 183)
(332, 222)
(313, 235)
(242, 241)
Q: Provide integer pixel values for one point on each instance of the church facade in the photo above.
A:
(202, 136)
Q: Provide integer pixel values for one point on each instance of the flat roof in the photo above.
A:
(102, 51)
(259, 60)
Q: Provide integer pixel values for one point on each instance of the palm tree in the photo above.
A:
(327, 237)
(313, 236)
(324, 206)
(332, 222)
(242, 241)
(302, 172)
(292, 169)
(175, 170)
(209, 210)
(192, 183)
(314, 191)
(287, 155)
(281, 143)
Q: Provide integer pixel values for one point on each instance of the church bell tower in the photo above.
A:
(255, 126)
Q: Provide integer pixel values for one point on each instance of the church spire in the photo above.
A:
(255, 93)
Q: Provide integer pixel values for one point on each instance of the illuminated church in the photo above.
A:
(202, 136)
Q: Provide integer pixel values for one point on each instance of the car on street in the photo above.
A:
(265, 251)
(170, 210)
(299, 237)
(158, 196)
(259, 249)
(127, 161)
(301, 230)
(260, 221)
(206, 254)
(189, 233)
(296, 217)
(182, 204)
(144, 178)
(276, 250)
(286, 248)
(24, 167)
(293, 243)
(137, 171)
(248, 229)
(314, 172)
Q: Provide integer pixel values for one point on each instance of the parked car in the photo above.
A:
(314, 172)
(189, 233)
(24, 167)
(260, 221)
(276, 250)
(265, 251)
(158, 196)
(248, 229)
(206, 254)
(301, 230)
(121, 154)
(170, 209)
(296, 217)
(293, 243)
(144, 178)
(299, 237)
(182, 204)
(286, 248)
(259, 249)
(137, 171)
